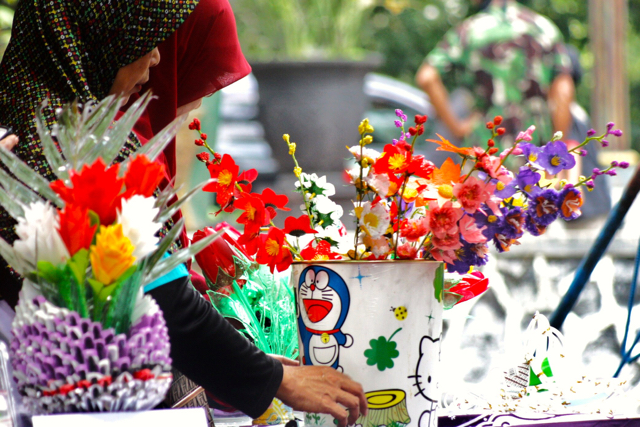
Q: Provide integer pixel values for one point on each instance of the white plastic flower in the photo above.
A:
(379, 182)
(38, 235)
(374, 219)
(326, 206)
(306, 179)
(136, 217)
(368, 153)
(327, 188)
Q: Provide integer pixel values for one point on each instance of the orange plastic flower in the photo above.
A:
(112, 254)
(226, 173)
(272, 251)
(143, 176)
(445, 145)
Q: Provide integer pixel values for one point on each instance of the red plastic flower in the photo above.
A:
(471, 285)
(273, 201)
(298, 226)
(75, 228)
(250, 241)
(320, 251)
(203, 157)
(143, 176)
(255, 214)
(414, 229)
(246, 178)
(421, 167)
(273, 252)
(195, 124)
(96, 188)
(394, 160)
(225, 173)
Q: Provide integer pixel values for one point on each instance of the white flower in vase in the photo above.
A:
(374, 218)
(38, 237)
(136, 226)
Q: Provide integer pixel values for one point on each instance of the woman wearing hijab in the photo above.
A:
(85, 50)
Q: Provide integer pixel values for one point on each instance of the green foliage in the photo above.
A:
(300, 29)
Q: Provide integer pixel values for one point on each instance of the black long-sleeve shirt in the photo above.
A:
(209, 351)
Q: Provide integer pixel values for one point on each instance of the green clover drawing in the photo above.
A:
(382, 352)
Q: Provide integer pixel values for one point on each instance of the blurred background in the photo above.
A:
(333, 62)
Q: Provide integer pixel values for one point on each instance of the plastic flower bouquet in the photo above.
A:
(84, 337)
(407, 208)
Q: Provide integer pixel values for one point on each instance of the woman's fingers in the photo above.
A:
(9, 142)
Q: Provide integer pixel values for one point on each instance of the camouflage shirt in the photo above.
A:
(507, 57)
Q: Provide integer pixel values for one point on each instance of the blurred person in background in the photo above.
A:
(514, 63)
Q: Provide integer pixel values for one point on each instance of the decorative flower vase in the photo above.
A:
(64, 363)
(380, 322)
(277, 414)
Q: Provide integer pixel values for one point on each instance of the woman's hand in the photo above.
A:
(284, 360)
(9, 142)
(322, 389)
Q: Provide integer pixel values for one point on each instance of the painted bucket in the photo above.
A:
(380, 322)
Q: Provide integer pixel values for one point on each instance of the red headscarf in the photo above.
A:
(200, 58)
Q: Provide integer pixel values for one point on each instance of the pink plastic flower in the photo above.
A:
(448, 256)
(527, 135)
(448, 242)
(470, 231)
(472, 193)
(443, 219)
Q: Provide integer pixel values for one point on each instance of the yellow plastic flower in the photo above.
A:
(365, 127)
(111, 255)
(297, 171)
(286, 138)
(292, 148)
(366, 140)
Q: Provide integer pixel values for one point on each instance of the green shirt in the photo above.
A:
(507, 57)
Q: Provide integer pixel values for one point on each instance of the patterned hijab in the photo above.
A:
(72, 49)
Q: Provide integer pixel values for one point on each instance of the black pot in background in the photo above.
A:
(318, 103)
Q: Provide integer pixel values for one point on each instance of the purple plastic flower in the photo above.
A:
(616, 132)
(398, 123)
(555, 157)
(543, 208)
(533, 227)
(401, 115)
(590, 184)
(527, 180)
(531, 152)
(611, 172)
(623, 165)
(569, 202)
(596, 172)
(489, 220)
(591, 132)
(469, 254)
(610, 126)
(514, 221)
(604, 143)
(583, 152)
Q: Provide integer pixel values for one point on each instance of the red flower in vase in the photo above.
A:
(143, 176)
(225, 173)
(96, 188)
(250, 241)
(75, 228)
(394, 160)
(232, 236)
(298, 226)
(255, 214)
(273, 201)
(471, 285)
(421, 167)
(318, 252)
(245, 180)
(272, 251)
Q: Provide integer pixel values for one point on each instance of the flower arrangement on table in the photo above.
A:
(407, 208)
(84, 337)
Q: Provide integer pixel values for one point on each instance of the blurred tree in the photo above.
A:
(6, 18)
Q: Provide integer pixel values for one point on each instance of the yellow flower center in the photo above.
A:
(527, 188)
(371, 220)
(555, 160)
(500, 185)
(251, 212)
(397, 161)
(532, 157)
(492, 218)
(225, 177)
(446, 191)
(272, 247)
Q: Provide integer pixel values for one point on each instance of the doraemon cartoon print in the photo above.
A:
(323, 301)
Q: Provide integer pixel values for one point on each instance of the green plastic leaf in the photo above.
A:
(438, 283)
(162, 248)
(157, 144)
(533, 378)
(78, 264)
(546, 368)
(22, 266)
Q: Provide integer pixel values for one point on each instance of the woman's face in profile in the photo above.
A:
(130, 78)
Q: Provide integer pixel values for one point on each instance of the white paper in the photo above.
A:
(192, 417)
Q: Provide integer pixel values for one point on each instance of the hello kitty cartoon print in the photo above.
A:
(323, 301)
(425, 381)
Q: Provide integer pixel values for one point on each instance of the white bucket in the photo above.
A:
(380, 322)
